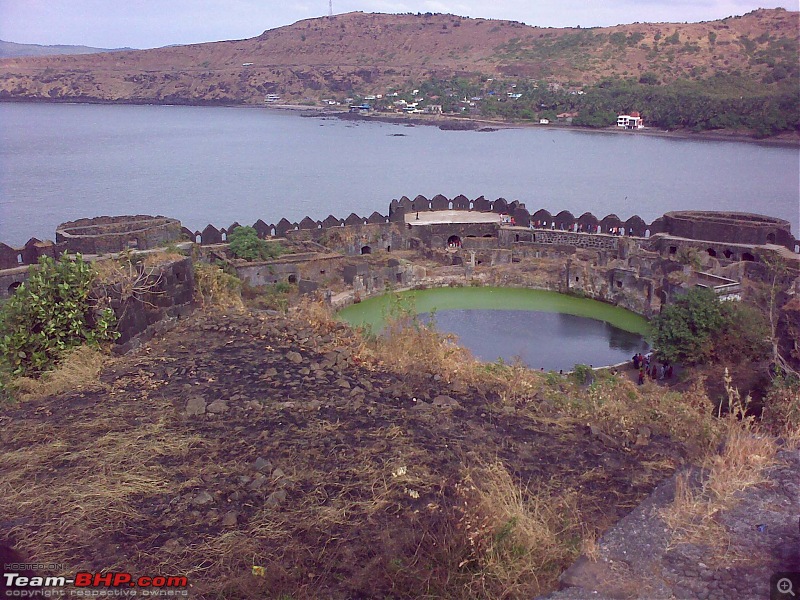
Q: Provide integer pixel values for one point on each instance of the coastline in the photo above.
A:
(453, 122)
(446, 122)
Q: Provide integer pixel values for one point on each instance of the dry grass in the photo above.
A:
(411, 346)
(74, 492)
(521, 539)
(781, 414)
(740, 465)
(216, 288)
(80, 370)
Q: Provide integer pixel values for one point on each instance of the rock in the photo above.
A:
(445, 402)
(262, 464)
(603, 437)
(643, 435)
(217, 407)
(294, 357)
(269, 373)
(258, 482)
(275, 499)
(195, 406)
(278, 473)
(230, 519)
(202, 498)
(592, 577)
(343, 383)
(459, 387)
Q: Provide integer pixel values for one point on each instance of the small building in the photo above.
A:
(271, 98)
(631, 121)
(544, 121)
(433, 109)
(360, 108)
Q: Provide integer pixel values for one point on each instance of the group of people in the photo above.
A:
(507, 219)
(580, 228)
(649, 367)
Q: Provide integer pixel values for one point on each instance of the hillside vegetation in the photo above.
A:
(742, 66)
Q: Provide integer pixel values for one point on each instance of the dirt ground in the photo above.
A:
(246, 440)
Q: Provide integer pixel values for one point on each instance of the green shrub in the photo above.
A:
(245, 243)
(582, 374)
(51, 313)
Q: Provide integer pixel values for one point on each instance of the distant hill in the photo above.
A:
(358, 55)
(12, 49)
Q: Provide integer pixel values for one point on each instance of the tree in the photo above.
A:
(698, 327)
(685, 329)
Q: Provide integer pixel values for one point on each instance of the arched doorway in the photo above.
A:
(711, 252)
(366, 250)
(13, 287)
(454, 242)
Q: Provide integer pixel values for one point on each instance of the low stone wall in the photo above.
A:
(577, 240)
(11, 279)
(165, 293)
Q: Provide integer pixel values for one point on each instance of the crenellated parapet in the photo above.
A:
(110, 234)
(11, 257)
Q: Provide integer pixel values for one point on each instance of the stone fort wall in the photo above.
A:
(111, 234)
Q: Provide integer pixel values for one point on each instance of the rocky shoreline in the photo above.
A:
(445, 122)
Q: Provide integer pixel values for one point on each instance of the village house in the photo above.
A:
(631, 121)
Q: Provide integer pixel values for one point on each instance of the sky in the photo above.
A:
(155, 23)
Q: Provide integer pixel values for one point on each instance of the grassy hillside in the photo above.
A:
(359, 55)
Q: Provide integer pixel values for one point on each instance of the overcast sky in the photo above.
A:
(154, 23)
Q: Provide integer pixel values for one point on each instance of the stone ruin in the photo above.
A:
(104, 235)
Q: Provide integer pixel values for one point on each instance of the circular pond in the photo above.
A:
(543, 329)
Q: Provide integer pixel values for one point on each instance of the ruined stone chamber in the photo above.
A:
(102, 235)
(731, 227)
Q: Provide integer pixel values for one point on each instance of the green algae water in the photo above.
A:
(543, 329)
